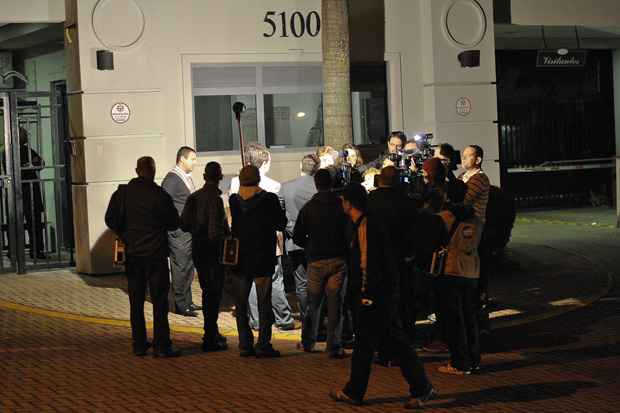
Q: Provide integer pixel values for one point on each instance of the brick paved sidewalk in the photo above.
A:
(534, 279)
(567, 363)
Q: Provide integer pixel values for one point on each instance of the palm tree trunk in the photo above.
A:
(337, 121)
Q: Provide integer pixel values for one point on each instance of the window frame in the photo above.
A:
(258, 91)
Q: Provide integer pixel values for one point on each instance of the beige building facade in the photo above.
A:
(174, 61)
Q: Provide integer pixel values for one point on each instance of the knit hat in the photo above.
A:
(249, 176)
(435, 170)
(356, 195)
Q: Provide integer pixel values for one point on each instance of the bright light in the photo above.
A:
(301, 114)
(562, 51)
(417, 137)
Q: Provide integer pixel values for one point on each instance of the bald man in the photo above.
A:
(141, 213)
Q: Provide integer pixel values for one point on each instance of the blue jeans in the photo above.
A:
(325, 279)
(279, 303)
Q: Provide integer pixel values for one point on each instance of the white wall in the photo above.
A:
(426, 79)
(153, 76)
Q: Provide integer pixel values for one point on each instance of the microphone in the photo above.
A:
(238, 107)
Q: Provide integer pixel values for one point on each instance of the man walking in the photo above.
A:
(320, 230)
(179, 184)
(374, 287)
(141, 213)
(204, 217)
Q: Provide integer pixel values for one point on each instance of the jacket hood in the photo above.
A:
(251, 197)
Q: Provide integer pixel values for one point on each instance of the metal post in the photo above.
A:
(618, 191)
(16, 173)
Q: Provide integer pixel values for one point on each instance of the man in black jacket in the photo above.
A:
(397, 213)
(204, 216)
(320, 230)
(396, 142)
(375, 283)
(256, 216)
(141, 213)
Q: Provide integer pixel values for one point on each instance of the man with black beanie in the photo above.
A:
(204, 216)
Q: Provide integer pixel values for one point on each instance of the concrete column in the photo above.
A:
(460, 103)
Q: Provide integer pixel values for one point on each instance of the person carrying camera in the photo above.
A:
(396, 142)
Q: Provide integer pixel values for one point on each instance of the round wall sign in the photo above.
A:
(120, 113)
(463, 106)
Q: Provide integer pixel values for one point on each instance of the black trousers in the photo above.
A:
(457, 302)
(372, 324)
(154, 273)
(407, 311)
(211, 278)
(181, 267)
(242, 284)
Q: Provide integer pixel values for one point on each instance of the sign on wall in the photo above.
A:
(120, 113)
(463, 106)
(561, 58)
(295, 24)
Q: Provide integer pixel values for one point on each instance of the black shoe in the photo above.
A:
(341, 354)
(221, 339)
(167, 353)
(140, 352)
(247, 353)
(418, 402)
(267, 353)
(188, 312)
(342, 397)
(295, 325)
(348, 344)
(211, 347)
(195, 307)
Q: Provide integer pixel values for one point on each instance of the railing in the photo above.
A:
(568, 165)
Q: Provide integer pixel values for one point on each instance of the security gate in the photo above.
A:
(35, 187)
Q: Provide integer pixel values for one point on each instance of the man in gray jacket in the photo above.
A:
(179, 185)
(294, 194)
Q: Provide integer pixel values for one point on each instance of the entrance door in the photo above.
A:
(36, 210)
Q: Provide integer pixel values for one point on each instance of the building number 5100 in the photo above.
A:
(298, 24)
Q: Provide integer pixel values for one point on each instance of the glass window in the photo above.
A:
(215, 123)
(294, 120)
(284, 105)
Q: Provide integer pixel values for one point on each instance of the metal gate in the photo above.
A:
(35, 187)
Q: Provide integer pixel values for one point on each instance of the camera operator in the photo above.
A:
(395, 144)
(448, 156)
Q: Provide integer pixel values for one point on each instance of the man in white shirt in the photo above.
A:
(258, 155)
(179, 185)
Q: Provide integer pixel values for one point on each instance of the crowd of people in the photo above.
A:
(375, 255)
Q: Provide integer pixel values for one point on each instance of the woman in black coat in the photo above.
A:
(256, 216)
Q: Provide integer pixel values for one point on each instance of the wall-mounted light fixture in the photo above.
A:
(469, 58)
(105, 60)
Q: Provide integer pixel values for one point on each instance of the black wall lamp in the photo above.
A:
(469, 58)
(105, 60)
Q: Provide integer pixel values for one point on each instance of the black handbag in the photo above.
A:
(230, 252)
